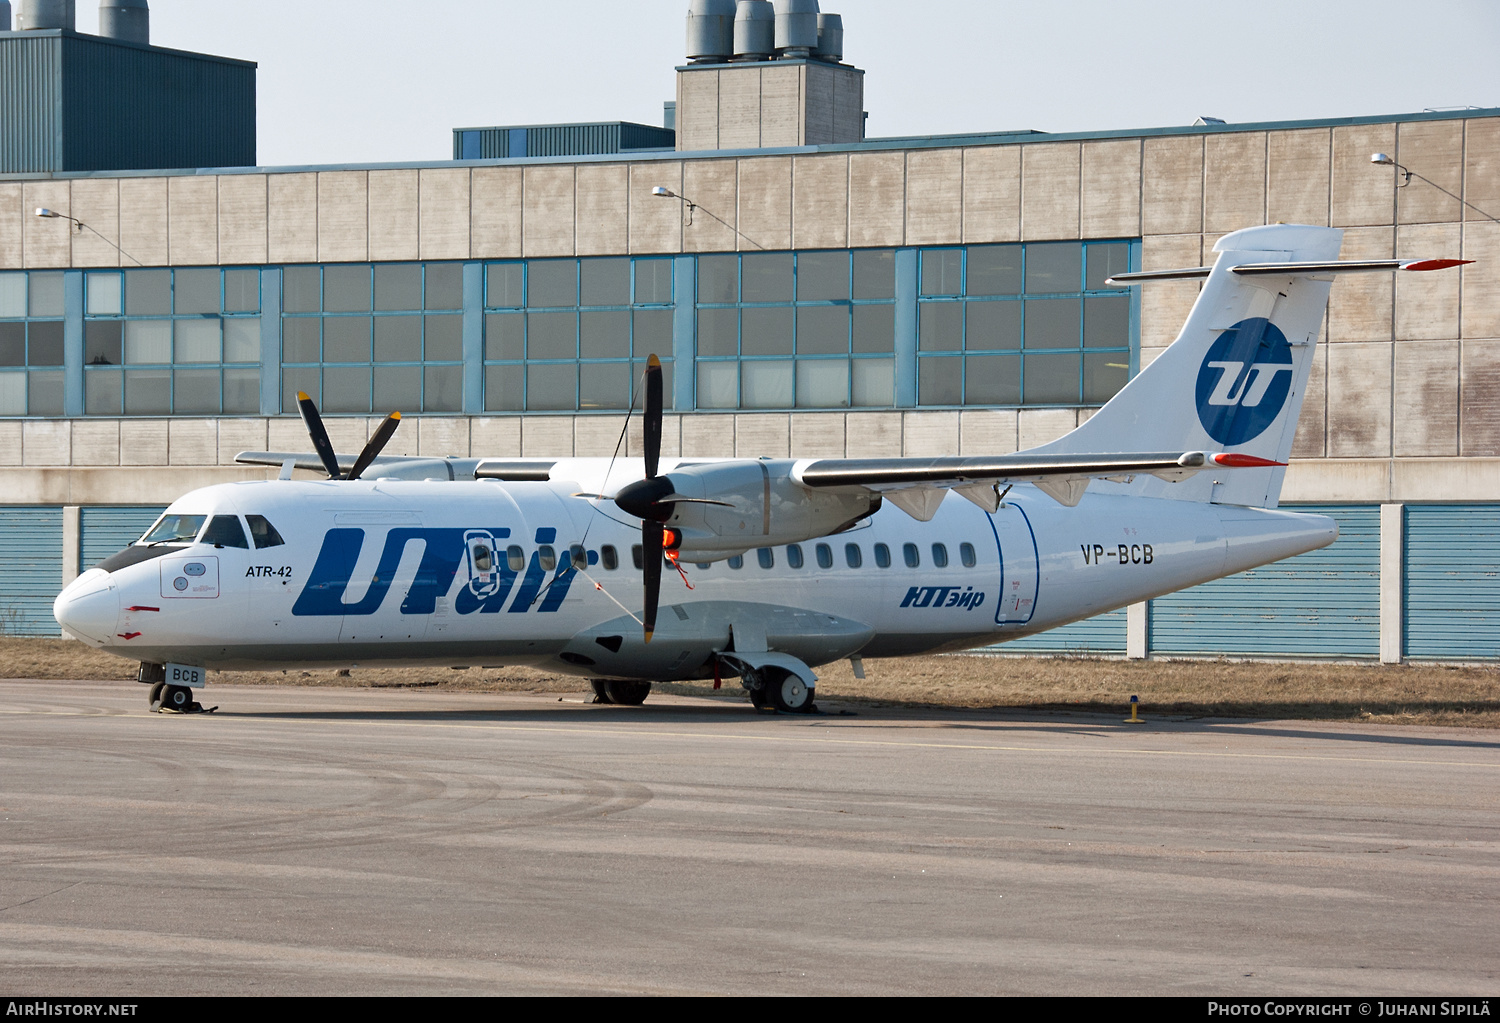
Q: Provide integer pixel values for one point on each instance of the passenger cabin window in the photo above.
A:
(548, 557)
(175, 529)
(737, 562)
(913, 556)
(882, 556)
(516, 559)
(225, 531)
(484, 558)
(966, 553)
(794, 556)
(580, 556)
(853, 556)
(825, 556)
(263, 533)
(766, 557)
(610, 557)
(637, 558)
(940, 555)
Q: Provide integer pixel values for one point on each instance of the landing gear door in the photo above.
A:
(1018, 565)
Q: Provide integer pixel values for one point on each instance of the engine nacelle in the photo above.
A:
(726, 508)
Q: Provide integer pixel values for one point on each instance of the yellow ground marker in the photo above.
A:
(1135, 718)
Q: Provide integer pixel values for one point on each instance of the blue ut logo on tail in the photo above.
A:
(1245, 381)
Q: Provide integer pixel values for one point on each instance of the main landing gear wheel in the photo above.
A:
(155, 700)
(601, 691)
(628, 694)
(786, 692)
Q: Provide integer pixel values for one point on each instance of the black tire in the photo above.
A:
(788, 693)
(758, 698)
(155, 698)
(628, 694)
(179, 698)
(601, 691)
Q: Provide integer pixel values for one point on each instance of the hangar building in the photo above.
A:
(812, 292)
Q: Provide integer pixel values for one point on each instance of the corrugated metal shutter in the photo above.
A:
(1101, 635)
(30, 570)
(1324, 603)
(105, 531)
(1453, 582)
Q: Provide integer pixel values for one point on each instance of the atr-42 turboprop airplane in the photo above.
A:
(773, 566)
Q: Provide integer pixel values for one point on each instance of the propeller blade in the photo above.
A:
(315, 429)
(376, 445)
(651, 557)
(651, 420)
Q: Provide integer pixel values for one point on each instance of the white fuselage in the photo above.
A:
(390, 572)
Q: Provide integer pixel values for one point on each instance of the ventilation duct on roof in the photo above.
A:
(4, 15)
(126, 20)
(710, 31)
(830, 38)
(796, 28)
(754, 30)
(40, 15)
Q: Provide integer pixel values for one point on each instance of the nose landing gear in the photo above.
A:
(167, 699)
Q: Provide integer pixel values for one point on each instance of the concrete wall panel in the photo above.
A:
(1479, 412)
(1445, 479)
(934, 197)
(820, 202)
(496, 215)
(1165, 306)
(12, 226)
(1111, 195)
(96, 442)
(1361, 306)
(877, 199)
(873, 434)
(1038, 426)
(765, 195)
(242, 218)
(236, 435)
(1482, 167)
(549, 212)
(96, 202)
(444, 200)
(547, 437)
(343, 217)
(596, 436)
(707, 436)
(1297, 176)
(445, 437)
(1427, 303)
(992, 195)
(1311, 440)
(1234, 181)
(1343, 482)
(495, 437)
(10, 442)
(395, 215)
(192, 442)
(1480, 282)
(47, 442)
(929, 434)
(144, 442)
(1049, 191)
(988, 432)
(1425, 399)
(292, 217)
(49, 243)
(714, 185)
(193, 220)
(1172, 186)
(291, 435)
(763, 436)
(739, 108)
(656, 223)
(782, 110)
(698, 111)
(818, 435)
(603, 209)
(1435, 150)
(1363, 193)
(1359, 400)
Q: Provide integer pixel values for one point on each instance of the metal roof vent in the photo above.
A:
(4, 15)
(126, 20)
(710, 31)
(754, 30)
(796, 28)
(39, 15)
(830, 38)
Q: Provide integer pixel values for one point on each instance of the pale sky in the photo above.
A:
(356, 81)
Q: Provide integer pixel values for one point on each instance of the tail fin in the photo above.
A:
(1235, 378)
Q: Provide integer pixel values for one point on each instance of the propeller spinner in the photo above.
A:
(324, 447)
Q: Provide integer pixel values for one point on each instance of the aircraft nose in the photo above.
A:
(89, 608)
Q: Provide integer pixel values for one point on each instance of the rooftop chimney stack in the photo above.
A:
(754, 30)
(796, 28)
(710, 31)
(126, 20)
(830, 38)
(41, 15)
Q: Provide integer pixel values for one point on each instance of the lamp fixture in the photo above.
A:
(1386, 160)
(666, 193)
(79, 225)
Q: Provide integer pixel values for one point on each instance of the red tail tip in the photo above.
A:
(1231, 460)
(1436, 264)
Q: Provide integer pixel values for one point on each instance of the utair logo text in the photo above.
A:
(1245, 381)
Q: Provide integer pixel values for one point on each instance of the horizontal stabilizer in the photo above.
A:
(1311, 269)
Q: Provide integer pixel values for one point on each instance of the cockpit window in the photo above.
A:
(174, 529)
(264, 533)
(225, 531)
